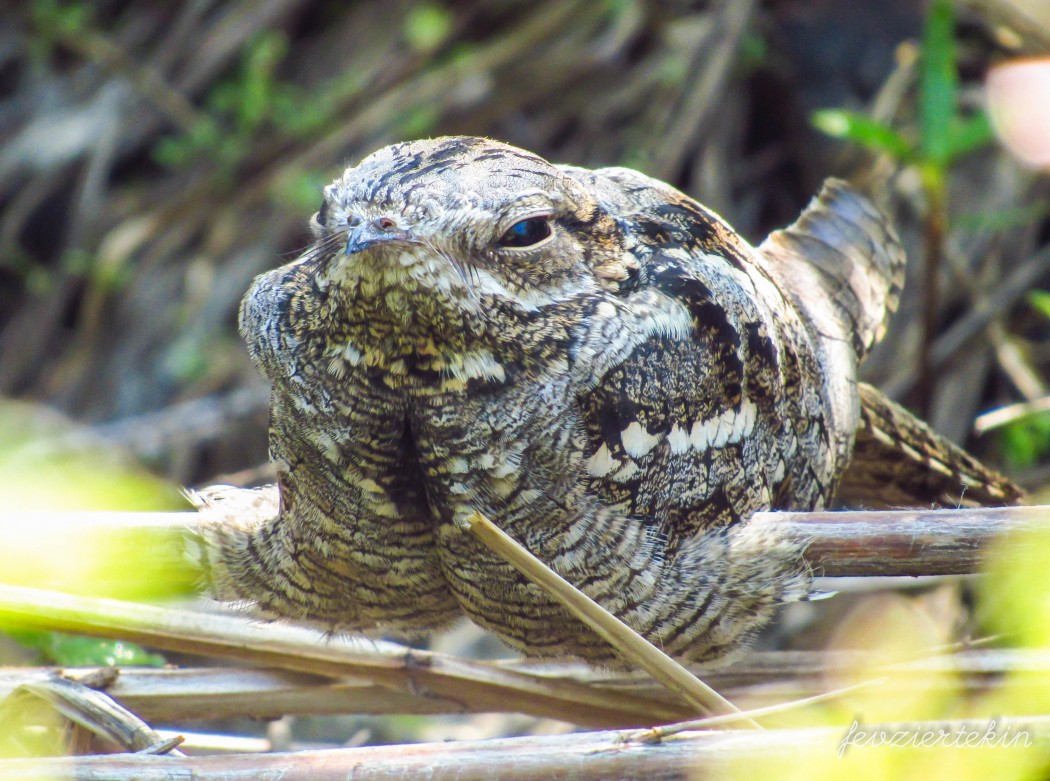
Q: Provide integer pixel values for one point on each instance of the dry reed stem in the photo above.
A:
(579, 756)
(630, 645)
(460, 684)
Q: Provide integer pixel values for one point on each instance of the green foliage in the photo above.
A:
(301, 192)
(944, 134)
(1014, 597)
(938, 83)
(68, 650)
(427, 26)
(241, 108)
(107, 278)
(38, 474)
(1039, 300)
(754, 51)
(41, 474)
(38, 279)
(862, 130)
(1026, 440)
(51, 21)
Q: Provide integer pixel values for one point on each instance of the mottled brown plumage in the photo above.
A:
(589, 358)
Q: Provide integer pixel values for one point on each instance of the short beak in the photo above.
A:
(368, 234)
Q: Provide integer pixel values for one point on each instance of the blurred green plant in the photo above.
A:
(427, 26)
(1026, 440)
(754, 51)
(44, 473)
(40, 475)
(66, 650)
(301, 191)
(944, 134)
(238, 109)
(52, 21)
(996, 221)
(1012, 604)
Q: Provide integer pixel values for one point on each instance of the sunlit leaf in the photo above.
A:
(1039, 300)
(863, 130)
(47, 546)
(79, 651)
(1015, 595)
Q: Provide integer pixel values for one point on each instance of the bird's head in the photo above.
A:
(466, 219)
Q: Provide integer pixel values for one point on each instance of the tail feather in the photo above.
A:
(843, 266)
(843, 246)
(899, 461)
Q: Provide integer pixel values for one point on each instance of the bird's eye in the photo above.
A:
(526, 233)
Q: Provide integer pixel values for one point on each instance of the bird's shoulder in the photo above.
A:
(656, 215)
(685, 410)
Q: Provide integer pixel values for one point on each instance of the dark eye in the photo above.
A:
(526, 233)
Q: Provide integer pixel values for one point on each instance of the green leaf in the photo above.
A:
(754, 51)
(427, 26)
(938, 83)
(78, 651)
(863, 130)
(969, 134)
(1026, 440)
(56, 20)
(1039, 300)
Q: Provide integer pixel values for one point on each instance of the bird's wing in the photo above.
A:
(700, 408)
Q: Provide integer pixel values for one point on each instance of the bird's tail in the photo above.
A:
(899, 461)
(843, 266)
(845, 248)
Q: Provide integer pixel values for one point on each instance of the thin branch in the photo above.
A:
(170, 694)
(580, 756)
(628, 643)
(849, 543)
(902, 542)
(463, 685)
(1004, 416)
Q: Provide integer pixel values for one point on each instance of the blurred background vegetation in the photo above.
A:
(155, 157)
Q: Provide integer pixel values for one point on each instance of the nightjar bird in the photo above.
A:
(589, 358)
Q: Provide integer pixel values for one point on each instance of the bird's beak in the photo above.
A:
(368, 234)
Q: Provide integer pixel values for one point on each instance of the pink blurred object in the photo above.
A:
(1019, 104)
